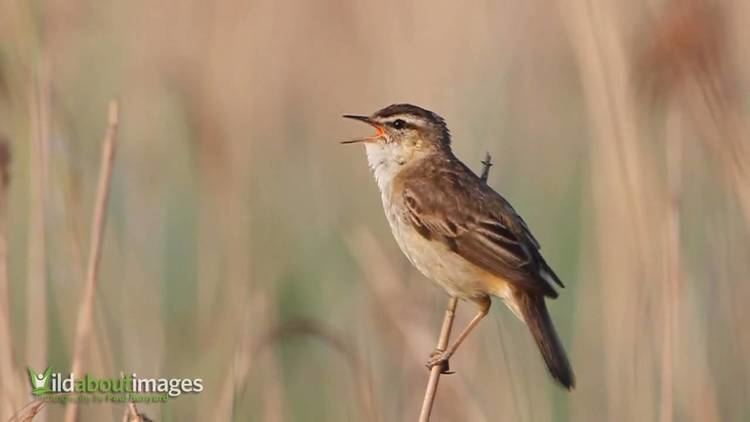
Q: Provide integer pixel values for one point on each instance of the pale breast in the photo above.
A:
(456, 275)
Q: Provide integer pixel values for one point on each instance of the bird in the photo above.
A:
(457, 231)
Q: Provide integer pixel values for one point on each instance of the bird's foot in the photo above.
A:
(440, 357)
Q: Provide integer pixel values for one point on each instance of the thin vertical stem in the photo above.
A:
(86, 310)
(36, 291)
(432, 383)
(486, 164)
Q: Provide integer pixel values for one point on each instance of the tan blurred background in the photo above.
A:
(246, 246)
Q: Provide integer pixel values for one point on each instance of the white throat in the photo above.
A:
(383, 160)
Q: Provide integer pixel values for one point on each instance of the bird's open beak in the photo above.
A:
(378, 135)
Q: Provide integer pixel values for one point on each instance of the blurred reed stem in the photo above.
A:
(245, 356)
(11, 381)
(670, 287)
(84, 322)
(625, 191)
(36, 286)
(728, 137)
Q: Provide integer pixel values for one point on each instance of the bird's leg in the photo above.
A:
(440, 357)
(445, 334)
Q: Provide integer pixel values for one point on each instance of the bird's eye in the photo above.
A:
(398, 124)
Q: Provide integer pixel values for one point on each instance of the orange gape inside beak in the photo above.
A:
(379, 132)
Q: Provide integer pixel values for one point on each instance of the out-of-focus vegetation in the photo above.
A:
(246, 246)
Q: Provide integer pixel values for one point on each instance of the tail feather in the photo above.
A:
(535, 314)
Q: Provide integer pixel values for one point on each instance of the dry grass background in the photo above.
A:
(245, 246)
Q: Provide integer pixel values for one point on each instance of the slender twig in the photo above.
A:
(445, 330)
(27, 412)
(131, 411)
(486, 163)
(432, 383)
(85, 312)
(133, 415)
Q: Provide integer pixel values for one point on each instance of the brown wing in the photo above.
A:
(477, 223)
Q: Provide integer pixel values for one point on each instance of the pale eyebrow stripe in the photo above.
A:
(408, 119)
